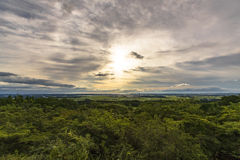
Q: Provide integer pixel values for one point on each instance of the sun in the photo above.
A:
(120, 59)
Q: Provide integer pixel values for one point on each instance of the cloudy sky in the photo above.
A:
(119, 46)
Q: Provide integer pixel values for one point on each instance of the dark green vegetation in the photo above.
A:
(184, 129)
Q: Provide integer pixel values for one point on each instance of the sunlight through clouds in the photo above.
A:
(138, 45)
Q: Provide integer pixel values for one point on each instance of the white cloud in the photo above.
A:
(181, 85)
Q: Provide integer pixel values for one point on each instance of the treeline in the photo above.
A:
(51, 128)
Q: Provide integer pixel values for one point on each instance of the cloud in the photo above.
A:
(214, 63)
(127, 71)
(14, 87)
(36, 89)
(24, 8)
(68, 7)
(136, 55)
(75, 41)
(104, 74)
(196, 90)
(181, 84)
(192, 48)
(33, 81)
(47, 38)
(69, 41)
(13, 78)
(156, 76)
(151, 82)
(148, 69)
(60, 66)
(6, 74)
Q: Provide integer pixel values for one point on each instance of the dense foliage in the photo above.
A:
(54, 128)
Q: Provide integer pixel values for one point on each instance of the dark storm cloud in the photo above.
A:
(6, 74)
(136, 55)
(214, 63)
(104, 74)
(13, 78)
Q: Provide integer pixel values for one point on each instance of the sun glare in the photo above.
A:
(120, 60)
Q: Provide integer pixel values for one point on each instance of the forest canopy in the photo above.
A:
(52, 128)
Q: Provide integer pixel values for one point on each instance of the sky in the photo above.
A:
(119, 46)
